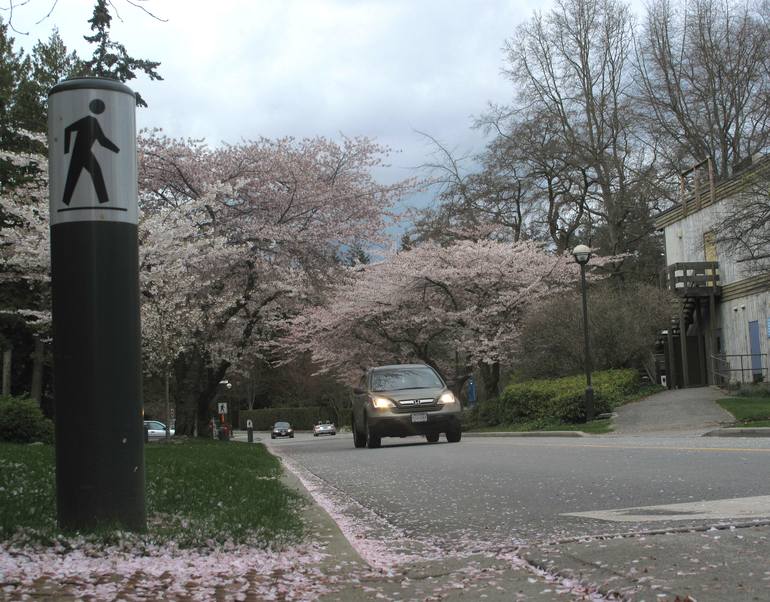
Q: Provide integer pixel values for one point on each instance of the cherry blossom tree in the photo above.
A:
(238, 239)
(233, 241)
(452, 307)
(24, 250)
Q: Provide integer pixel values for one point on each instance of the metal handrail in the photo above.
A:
(725, 370)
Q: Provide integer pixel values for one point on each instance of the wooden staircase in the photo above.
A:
(691, 283)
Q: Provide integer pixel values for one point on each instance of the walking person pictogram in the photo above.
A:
(87, 131)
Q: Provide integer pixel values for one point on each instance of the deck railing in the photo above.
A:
(692, 278)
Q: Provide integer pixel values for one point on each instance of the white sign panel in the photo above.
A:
(221, 408)
(92, 150)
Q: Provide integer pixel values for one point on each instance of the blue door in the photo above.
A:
(756, 358)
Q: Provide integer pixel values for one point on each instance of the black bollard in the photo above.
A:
(95, 307)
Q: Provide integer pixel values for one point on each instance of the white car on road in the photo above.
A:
(324, 428)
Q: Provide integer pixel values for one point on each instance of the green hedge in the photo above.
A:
(561, 399)
(21, 421)
(302, 418)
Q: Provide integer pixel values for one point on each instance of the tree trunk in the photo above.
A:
(36, 387)
(7, 372)
(196, 387)
(187, 366)
(166, 378)
(209, 382)
(490, 377)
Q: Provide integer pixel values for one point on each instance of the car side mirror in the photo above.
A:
(358, 391)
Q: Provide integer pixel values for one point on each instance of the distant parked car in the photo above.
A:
(282, 429)
(324, 428)
(156, 430)
(403, 400)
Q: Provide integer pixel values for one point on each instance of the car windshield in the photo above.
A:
(281, 425)
(405, 378)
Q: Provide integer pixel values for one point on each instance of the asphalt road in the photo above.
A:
(412, 501)
(524, 488)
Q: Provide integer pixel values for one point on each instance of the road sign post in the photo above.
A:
(95, 286)
(471, 392)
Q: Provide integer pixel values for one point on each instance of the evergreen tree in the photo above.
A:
(24, 84)
(110, 58)
(51, 63)
(14, 69)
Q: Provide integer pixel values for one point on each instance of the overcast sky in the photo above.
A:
(240, 69)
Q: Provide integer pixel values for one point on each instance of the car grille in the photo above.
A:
(417, 405)
(411, 403)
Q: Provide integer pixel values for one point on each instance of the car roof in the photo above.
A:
(393, 366)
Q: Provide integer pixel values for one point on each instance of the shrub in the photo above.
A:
(488, 412)
(753, 390)
(21, 421)
(560, 399)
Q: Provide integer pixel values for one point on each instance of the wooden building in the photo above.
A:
(720, 327)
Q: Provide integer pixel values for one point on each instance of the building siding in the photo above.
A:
(745, 297)
(684, 242)
(734, 318)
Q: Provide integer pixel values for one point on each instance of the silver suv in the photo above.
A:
(403, 400)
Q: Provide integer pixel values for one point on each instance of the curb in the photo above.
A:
(739, 432)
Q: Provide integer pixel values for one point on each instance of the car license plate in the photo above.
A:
(420, 417)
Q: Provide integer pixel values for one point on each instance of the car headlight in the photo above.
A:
(381, 403)
(447, 397)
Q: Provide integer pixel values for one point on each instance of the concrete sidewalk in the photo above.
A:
(693, 410)
(711, 565)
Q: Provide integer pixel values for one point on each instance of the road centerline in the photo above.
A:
(639, 447)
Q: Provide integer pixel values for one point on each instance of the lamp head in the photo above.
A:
(582, 254)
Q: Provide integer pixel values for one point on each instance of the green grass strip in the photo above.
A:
(198, 494)
(748, 411)
(27, 488)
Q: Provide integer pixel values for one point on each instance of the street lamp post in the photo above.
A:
(582, 254)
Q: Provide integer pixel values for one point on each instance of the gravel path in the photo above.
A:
(687, 410)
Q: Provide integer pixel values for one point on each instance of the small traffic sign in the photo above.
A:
(222, 407)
